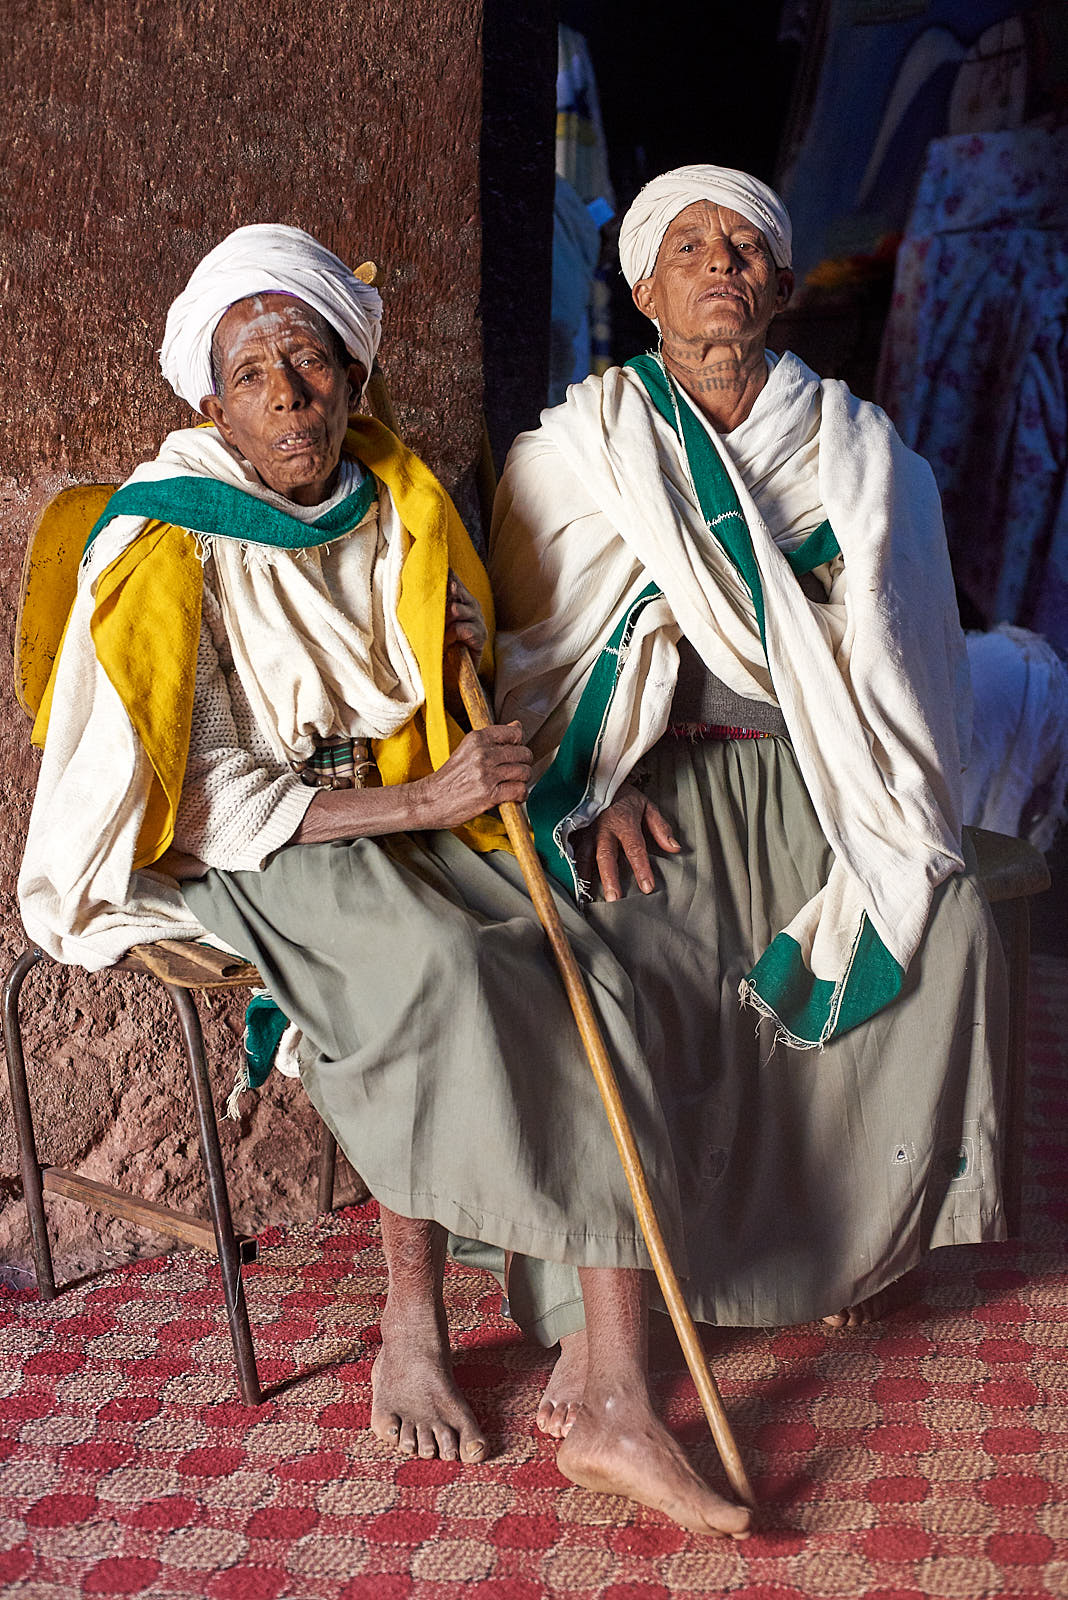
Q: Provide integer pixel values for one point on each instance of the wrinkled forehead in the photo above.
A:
(709, 217)
(260, 318)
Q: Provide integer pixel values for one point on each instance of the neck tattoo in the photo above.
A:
(720, 376)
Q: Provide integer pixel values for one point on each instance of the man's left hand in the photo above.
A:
(464, 622)
(623, 824)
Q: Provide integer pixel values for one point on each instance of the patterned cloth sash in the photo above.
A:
(339, 764)
(698, 731)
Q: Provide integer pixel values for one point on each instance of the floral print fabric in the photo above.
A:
(975, 365)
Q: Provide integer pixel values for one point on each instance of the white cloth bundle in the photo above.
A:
(1017, 779)
(264, 258)
(659, 203)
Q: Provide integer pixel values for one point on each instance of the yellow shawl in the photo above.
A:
(146, 627)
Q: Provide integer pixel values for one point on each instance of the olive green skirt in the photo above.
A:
(438, 1043)
(789, 1183)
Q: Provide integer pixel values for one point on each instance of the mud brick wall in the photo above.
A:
(136, 134)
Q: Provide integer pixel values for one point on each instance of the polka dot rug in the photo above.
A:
(923, 1456)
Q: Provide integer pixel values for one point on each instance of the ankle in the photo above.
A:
(619, 1390)
(616, 1303)
(413, 1320)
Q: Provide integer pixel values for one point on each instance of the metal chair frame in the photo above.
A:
(218, 1236)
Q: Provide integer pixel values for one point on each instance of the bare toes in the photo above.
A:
(417, 1410)
(738, 1526)
(559, 1404)
(448, 1444)
(556, 1420)
(386, 1428)
(544, 1417)
(619, 1447)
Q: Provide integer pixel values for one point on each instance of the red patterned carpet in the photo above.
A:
(924, 1457)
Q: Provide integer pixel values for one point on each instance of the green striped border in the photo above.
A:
(207, 506)
(564, 786)
(809, 1010)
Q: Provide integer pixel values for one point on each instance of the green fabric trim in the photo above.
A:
(820, 547)
(264, 1027)
(563, 786)
(812, 1010)
(873, 981)
(216, 508)
(808, 1010)
(716, 495)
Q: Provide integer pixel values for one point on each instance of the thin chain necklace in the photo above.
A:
(669, 380)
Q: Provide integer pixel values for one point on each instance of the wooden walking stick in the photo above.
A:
(519, 834)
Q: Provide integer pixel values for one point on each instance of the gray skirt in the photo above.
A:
(789, 1183)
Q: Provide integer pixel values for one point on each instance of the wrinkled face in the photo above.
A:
(715, 280)
(284, 394)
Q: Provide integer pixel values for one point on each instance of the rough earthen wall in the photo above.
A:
(136, 133)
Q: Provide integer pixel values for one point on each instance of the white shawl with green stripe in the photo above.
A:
(611, 538)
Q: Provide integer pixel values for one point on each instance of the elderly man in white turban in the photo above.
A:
(727, 627)
(249, 738)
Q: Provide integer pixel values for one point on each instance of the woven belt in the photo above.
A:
(339, 764)
(697, 731)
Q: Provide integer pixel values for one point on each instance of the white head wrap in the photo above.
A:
(266, 257)
(659, 203)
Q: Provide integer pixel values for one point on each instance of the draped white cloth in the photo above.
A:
(313, 633)
(872, 683)
(264, 258)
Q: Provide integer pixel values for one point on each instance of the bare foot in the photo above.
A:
(563, 1393)
(617, 1446)
(892, 1298)
(416, 1407)
(415, 1404)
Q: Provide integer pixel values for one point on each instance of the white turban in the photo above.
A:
(659, 203)
(266, 257)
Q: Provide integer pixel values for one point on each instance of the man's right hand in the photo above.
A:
(486, 768)
(622, 826)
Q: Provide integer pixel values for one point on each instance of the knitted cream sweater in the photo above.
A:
(239, 802)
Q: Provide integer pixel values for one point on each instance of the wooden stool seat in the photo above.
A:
(190, 965)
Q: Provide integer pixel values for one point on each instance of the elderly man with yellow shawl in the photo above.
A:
(727, 626)
(249, 739)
